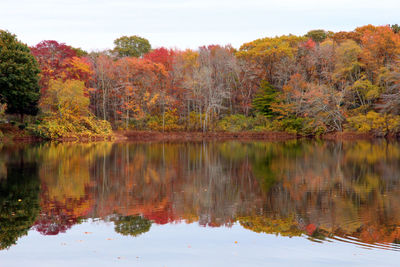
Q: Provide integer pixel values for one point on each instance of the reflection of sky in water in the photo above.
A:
(184, 245)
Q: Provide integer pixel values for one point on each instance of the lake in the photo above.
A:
(293, 203)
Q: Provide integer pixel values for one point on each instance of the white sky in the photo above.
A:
(94, 24)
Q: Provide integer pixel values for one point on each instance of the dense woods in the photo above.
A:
(313, 84)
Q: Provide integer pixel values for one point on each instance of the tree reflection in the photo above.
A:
(66, 182)
(131, 225)
(322, 190)
(319, 189)
(19, 200)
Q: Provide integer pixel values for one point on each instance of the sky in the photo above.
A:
(94, 24)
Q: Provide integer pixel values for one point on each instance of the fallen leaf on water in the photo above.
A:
(88, 232)
(109, 239)
(19, 200)
(235, 242)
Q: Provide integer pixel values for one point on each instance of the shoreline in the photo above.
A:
(154, 136)
(121, 136)
(200, 136)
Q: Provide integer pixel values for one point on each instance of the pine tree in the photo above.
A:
(264, 98)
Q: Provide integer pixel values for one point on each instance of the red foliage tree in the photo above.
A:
(51, 55)
(163, 56)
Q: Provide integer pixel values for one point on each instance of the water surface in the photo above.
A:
(198, 204)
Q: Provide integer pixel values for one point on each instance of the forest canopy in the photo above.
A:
(313, 84)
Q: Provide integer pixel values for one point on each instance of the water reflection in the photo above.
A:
(19, 198)
(324, 191)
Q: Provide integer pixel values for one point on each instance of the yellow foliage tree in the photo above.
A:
(66, 108)
(65, 98)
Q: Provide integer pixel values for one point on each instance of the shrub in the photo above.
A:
(72, 127)
(239, 122)
(374, 123)
(299, 125)
(235, 123)
(171, 122)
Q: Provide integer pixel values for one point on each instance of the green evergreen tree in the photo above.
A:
(263, 99)
(19, 79)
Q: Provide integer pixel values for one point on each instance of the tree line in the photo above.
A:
(312, 84)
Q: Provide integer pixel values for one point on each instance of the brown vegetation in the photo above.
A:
(198, 136)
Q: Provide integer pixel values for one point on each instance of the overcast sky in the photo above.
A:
(94, 24)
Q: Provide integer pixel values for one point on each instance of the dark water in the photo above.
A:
(200, 204)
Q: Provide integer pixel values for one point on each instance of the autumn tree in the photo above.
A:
(51, 55)
(127, 89)
(173, 95)
(318, 105)
(66, 113)
(65, 99)
(363, 93)
(213, 81)
(315, 62)
(139, 85)
(245, 85)
(182, 82)
(342, 36)
(266, 52)
(390, 99)
(76, 68)
(103, 81)
(163, 56)
(381, 47)
(348, 67)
